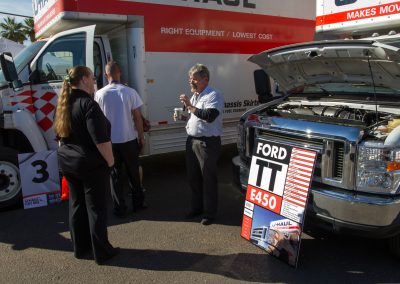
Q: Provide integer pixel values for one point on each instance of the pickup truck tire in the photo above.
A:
(394, 245)
(10, 182)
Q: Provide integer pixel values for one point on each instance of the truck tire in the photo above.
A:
(10, 181)
(394, 245)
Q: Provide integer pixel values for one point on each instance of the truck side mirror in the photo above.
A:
(9, 70)
(263, 86)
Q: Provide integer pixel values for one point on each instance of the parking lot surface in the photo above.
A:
(159, 246)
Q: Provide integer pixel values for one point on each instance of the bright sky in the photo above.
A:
(20, 7)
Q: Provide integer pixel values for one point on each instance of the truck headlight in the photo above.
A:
(378, 168)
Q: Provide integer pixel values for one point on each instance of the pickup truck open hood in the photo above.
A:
(352, 61)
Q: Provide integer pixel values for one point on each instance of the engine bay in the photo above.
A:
(374, 124)
(337, 114)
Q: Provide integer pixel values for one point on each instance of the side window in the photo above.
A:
(98, 65)
(60, 56)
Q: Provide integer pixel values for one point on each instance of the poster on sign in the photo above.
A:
(40, 179)
(276, 198)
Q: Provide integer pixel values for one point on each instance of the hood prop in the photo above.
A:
(367, 53)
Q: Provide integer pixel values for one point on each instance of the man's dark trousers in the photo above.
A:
(202, 154)
(126, 154)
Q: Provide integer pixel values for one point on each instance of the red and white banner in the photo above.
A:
(344, 15)
(188, 26)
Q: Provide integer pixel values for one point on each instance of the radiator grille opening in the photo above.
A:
(338, 159)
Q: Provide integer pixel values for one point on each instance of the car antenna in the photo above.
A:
(367, 53)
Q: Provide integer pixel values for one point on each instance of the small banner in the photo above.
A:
(276, 199)
(40, 179)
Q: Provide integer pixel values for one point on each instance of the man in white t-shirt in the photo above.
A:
(121, 105)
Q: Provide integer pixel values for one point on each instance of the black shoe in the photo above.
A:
(192, 215)
(207, 221)
(113, 253)
(84, 255)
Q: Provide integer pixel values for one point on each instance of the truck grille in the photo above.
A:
(330, 154)
(338, 159)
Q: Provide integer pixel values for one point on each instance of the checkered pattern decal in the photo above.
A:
(41, 105)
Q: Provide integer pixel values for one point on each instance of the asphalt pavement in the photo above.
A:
(159, 246)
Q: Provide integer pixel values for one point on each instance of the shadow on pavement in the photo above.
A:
(168, 193)
(318, 264)
(39, 228)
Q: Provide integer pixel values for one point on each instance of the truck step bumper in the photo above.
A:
(364, 214)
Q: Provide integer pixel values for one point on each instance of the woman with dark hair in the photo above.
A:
(85, 157)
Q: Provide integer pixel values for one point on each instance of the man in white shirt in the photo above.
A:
(203, 145)
(121, 105)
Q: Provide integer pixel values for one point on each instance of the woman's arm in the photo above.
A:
(105, 150)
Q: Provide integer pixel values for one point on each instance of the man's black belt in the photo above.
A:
(205, 138)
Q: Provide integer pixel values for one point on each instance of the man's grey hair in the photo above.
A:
(199, 69)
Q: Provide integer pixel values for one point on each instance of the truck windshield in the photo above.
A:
(23, 58)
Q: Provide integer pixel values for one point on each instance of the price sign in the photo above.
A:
(40, 178)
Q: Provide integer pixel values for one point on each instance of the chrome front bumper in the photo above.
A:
(345, 211)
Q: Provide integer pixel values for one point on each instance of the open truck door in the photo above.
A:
(49, 68)
(36, 101)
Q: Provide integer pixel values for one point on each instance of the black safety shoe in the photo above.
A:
(113, 253)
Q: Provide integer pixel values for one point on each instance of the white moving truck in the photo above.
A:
(339, 19)
(340, 98)
(155, 42)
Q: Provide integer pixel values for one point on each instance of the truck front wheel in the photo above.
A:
(394, 245)
(10, 182)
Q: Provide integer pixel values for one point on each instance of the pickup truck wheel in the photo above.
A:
(394, 245)
(10, 182)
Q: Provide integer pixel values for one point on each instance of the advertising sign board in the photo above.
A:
(277, 192)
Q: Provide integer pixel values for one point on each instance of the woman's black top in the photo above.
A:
(78, 152)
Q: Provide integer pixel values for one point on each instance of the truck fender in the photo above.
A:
(24, 122)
